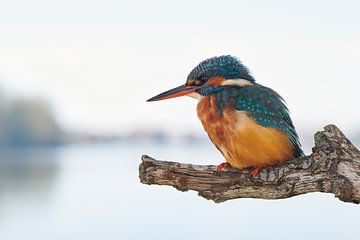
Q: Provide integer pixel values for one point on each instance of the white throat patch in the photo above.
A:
(195, 95)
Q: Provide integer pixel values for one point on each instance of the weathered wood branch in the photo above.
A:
(333, 167)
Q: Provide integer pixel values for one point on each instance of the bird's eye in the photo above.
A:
(197, 82)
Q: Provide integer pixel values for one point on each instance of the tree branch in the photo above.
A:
(333, 167)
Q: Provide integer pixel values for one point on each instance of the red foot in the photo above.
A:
(222, 165)
(255, 172)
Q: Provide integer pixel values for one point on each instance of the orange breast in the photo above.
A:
(240, 139)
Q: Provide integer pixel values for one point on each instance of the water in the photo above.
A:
(93, 192)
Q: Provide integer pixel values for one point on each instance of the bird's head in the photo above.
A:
(210, 76)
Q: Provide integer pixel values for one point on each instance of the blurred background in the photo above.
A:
(74, 77)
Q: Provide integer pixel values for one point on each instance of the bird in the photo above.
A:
(248, 123)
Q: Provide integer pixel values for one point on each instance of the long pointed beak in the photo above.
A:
(175, 92)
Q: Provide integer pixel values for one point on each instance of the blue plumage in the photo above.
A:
(224, 66)
(261, 103)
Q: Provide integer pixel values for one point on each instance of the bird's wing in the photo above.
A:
(268, 109)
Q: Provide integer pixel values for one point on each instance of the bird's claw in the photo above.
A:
(221, 166)
(255, 172)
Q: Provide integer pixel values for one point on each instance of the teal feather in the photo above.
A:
(268, 109)
(262, 104)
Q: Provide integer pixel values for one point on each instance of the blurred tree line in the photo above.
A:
(25, 121)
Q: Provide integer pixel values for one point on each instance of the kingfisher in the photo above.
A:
(248, 123)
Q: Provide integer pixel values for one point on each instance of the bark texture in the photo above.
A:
(333, 167)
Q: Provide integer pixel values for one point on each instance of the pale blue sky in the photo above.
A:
(98, 61)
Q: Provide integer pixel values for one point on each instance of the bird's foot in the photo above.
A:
(221, 166)
(255, 171)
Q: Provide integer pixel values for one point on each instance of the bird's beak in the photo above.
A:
(175, 92)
